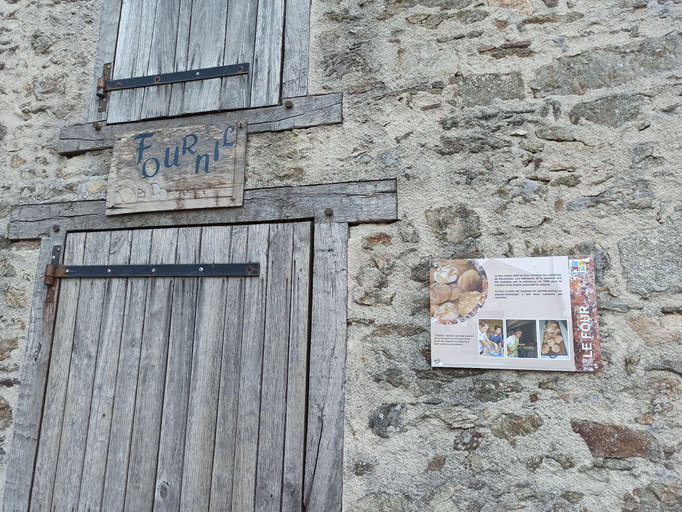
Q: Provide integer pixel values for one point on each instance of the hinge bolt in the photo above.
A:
(289, 104)
(328, 212)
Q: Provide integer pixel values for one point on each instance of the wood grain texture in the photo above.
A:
(305, 112)
(166, 177)
(126, 379)
(151, 378)
(368, 201)
(240, 40)
(296, 49)
(205, 380)
(102, 403)
(181, 62)
(273, 386)
(156, 100)
(81, 376)
(126, 59)
(228, 395)
(176, 394)
(246, 450)
(297, 371)
(323, 487)
(28, 413)
(206, 48)
(60, 360)
(267, 61)
(106, 47)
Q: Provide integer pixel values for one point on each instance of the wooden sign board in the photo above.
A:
(177, 169)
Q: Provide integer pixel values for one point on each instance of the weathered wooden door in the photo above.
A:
(166, 36)
(180, 393)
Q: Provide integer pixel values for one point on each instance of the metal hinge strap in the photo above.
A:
(200, 270)
(105, 85)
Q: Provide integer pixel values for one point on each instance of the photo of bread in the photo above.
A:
(458, 290)
(555, 340)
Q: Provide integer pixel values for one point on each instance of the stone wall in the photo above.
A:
(515, 128)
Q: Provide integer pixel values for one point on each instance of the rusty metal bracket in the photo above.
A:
(102, 88)
(105, 84)
(50, 276)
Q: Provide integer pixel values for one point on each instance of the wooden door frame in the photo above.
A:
(331, 208)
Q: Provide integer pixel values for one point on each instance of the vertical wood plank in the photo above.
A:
(151, 378)
(81, 376)
(206, 47)
(240, 40)
(129, 28)
(296, 49)
(267, 61)
(156, 100)
(294, 436)
(60, 360)
(178, 373)
(205, 380)
(273, 388)
(324, 443)
(181, 50)
(126, 378)
(228, 396)
(246, 450)
(106, 46)
(29, 410)
(92, 482)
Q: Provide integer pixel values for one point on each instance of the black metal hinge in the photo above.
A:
(106, 85)
(200, 270)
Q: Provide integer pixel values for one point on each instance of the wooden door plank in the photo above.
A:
(273, 387)
(60, 361)
(126, 378)
(118, 113)
(156, 101)
(205, 380)
(206, 47)
(28, 414)
(297, 374)
(324, 442)
(267, 61)
(181, 50)
(125, 60)
(296, 49)
(151, 378)
(94, 467)
(81, 376)
(110, 14)
(240, 40)
(176, 393)
(246, 450)
(228, 396)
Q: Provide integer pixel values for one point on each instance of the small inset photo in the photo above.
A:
(490, 338)
(555, 343)
(521, 339)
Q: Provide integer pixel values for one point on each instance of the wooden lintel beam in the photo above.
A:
(301, 112)
(352, 203)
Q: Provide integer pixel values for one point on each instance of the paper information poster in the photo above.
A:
(515, 313)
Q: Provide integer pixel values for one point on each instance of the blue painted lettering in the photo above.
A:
(142, 146)
(230, 129)
(157, 166)
(185, 147)
(198, 164)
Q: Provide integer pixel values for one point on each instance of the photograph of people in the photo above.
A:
(490, 344)
(522, 339)
(513, 344)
